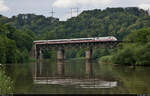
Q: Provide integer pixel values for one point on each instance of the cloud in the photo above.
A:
(144, 6)
(75, 3)
(3, 7)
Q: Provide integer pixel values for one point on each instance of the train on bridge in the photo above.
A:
(77, 40)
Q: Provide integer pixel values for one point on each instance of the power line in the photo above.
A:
(52, 12)
(76, 10)
(148, 11)
(71, 12)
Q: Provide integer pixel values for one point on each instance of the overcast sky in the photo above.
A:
(63, 7)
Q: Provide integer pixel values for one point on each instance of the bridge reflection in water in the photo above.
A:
(60, 78)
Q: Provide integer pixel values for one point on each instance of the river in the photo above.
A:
(78, 76)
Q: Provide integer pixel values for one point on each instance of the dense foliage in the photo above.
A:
(36, 23)
(14, 44)
(92, 23)
(6, 84)
(137, 53)
(116, 22)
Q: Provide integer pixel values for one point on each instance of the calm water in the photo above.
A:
(78, 77)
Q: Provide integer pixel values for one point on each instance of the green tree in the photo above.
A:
(137, 53)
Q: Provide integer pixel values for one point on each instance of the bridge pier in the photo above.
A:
(88, 63)
(39, 56)
(60, 54)
(60, 61)
(88, 54)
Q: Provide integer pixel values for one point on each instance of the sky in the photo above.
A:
(62, 8)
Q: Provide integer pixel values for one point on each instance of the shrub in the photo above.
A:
(6, 84)
(106, 59)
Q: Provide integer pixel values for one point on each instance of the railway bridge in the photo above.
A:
(62, 45)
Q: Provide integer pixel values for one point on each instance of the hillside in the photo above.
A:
(32, 22)
(112, 21)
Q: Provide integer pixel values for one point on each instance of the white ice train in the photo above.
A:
(108, 38)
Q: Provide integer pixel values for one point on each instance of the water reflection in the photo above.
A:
(89, 68)
(60, 67)
(64, 78)
(105, 78)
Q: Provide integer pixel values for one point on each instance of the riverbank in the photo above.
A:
(109, 60)
(106, 59)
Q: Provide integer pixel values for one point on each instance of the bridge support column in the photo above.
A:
(60, 54)
(39, 56)
(60, 61)
(38, 65)
(88, 54)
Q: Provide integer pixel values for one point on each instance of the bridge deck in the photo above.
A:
(73, 42)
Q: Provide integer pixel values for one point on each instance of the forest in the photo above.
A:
(18, 32)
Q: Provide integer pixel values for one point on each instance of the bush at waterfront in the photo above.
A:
(106, 59)
(136, 53)
(6, 84)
